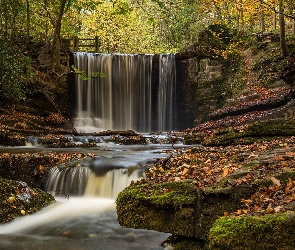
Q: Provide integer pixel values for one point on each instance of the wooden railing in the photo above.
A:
(75, 44)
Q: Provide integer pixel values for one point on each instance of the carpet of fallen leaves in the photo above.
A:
(226, 166)
(23, 119)
(262, 98)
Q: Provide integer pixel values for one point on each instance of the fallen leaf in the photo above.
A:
(275, 181)
(269, 210)
(184, 171)
(225, 172)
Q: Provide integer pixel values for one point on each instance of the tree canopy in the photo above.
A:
(137, 26)
(129, 26)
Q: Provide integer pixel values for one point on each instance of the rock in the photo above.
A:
(273, 231)
(178, 208)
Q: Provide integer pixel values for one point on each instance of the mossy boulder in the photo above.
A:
(275, 231)
(167, 207)
(178, 208)
(17, 199)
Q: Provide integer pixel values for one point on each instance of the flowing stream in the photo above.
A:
(84, 215)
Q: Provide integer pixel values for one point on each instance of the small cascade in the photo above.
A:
(128, 97)
(111, 184)
(67, 180)
(81, 180)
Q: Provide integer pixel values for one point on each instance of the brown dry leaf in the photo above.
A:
(246, 201)
(184, 171)
(161, 169)
(225, 172)
(239, 212)
(290, 154)
(269, 210)
(284, 164)
(225, 213)
(248, 176)
(289, 183)
(255, 208)
(275, 181)
(280, 158)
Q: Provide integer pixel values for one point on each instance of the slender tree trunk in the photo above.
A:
(28, 20)
(283, 43)
(55, 48)
(261, 17)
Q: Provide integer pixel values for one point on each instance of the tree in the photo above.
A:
(55, 48)
(283, 43)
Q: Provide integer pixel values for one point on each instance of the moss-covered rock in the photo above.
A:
(17, 199)
(178, 208)
(167, 207)
(275, 231)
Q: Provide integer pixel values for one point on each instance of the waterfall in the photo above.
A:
(165, 93)
(78, 181)
(129, 97)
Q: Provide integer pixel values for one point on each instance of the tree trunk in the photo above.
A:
(262, 24)
(28, 20)
(283, 43)
(55, 48)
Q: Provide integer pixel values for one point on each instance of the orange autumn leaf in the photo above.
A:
(225, 172)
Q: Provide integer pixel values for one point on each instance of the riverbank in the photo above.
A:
(204, 190)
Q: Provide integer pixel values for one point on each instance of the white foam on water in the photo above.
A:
(60, 212)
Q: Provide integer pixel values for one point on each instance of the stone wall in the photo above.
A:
(201, 80)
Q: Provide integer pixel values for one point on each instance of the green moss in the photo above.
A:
(277, 127)
(166, 207)
(17, 199)
(170, 193)
(253, 232)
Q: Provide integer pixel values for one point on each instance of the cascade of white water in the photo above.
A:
(111, 184)
(81, 181)
(67, 180)
(123, 99)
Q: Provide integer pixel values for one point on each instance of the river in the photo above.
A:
(88, 220)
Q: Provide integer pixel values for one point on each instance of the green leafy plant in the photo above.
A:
(82, 75)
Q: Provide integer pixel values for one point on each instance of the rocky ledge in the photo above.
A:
(208, 197)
